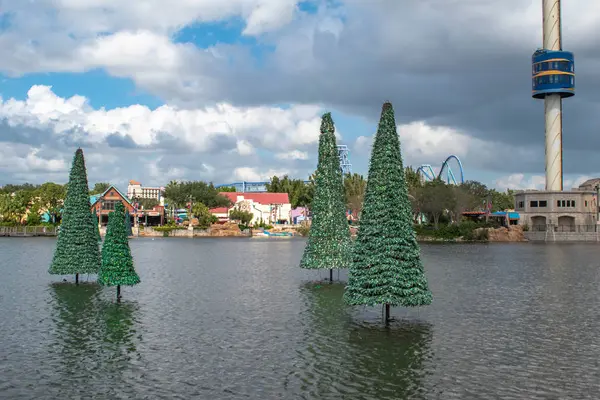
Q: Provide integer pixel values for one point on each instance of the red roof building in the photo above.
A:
(270, 208)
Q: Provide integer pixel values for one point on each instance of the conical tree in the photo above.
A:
(117, 264)
(97, 230)
(77, 250)
(329, 244)
(386, 267)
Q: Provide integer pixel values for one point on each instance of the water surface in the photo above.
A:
(237, 319)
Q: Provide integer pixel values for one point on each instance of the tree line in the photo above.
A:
(435, 200)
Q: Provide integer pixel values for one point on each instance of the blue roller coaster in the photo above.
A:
(427, 174)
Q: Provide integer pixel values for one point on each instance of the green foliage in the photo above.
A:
(300, 193)
(205, 217)
(387, 266)
(77, 249)
(230, 189)
(168, 228)
(117, 262)
(10, 188)
(329, 244)
(180, 193)
(465, 230)
(243, 217)
(262, 224)
(33, 217)
(51, 197)
(13, 207)
(354, 191)
(303, 229)
(148, 204)
(100, 188)
(435, 198)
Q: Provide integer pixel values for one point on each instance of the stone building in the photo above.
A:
(561, 211)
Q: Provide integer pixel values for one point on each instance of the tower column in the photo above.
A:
(553, 102)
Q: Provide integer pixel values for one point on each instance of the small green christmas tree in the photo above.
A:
(77, 250)
(329, 244)
(117, 264)
(387, 266)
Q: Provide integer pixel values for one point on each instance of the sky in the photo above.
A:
(227, 91)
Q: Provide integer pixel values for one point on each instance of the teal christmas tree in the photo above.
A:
(117, 263)
(329, 244)
(77, 251)
(386, 267)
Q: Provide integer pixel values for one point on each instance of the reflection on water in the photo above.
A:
(346, 358)
(234, 319)
(91, 336)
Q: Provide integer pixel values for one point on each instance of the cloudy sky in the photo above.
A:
(233, 90)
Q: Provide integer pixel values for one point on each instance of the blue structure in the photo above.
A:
(344, 154)
(426, 171)
(552, 72)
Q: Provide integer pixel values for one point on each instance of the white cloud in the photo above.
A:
(270, 128)
(292, 155)
(425, 144)
(536, 182)
(88, 17)
(252, 174)
(244, 148)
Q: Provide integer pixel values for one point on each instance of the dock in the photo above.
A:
(27, 231)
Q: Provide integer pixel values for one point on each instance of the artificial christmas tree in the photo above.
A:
(329, 244)
(117, 264)
(386, 266)
(77, 250)
(97, 230)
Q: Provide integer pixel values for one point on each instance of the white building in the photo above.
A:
(272, 208)
(136, 190)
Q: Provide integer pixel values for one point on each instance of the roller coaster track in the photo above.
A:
(427, 174)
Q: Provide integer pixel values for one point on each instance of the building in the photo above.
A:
(558, 211)
(135, 190)
(103, 204)
(271, 208)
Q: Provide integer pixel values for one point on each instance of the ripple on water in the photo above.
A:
(221, 319)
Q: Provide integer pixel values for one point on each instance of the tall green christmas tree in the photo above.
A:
(77, 250)
(117, 264)
(97, 230)
(329, 244)
(386, 267)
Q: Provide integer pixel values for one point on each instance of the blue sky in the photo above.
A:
(195, 90)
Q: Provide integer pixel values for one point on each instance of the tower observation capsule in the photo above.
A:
(552, 79)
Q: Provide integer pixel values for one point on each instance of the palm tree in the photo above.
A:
(354, 188)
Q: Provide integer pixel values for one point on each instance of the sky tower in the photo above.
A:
(553, 78)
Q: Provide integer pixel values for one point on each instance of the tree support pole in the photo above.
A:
(387, 313)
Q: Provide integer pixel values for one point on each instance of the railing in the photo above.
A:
(28, 231)
(564, 228)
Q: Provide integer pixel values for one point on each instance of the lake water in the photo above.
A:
(237, 319)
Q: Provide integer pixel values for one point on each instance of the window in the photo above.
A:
(543, 203)
(572, 203)
(533, 203)
(521, 204)
(109, 204)
(585, 203)
(557, 203)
